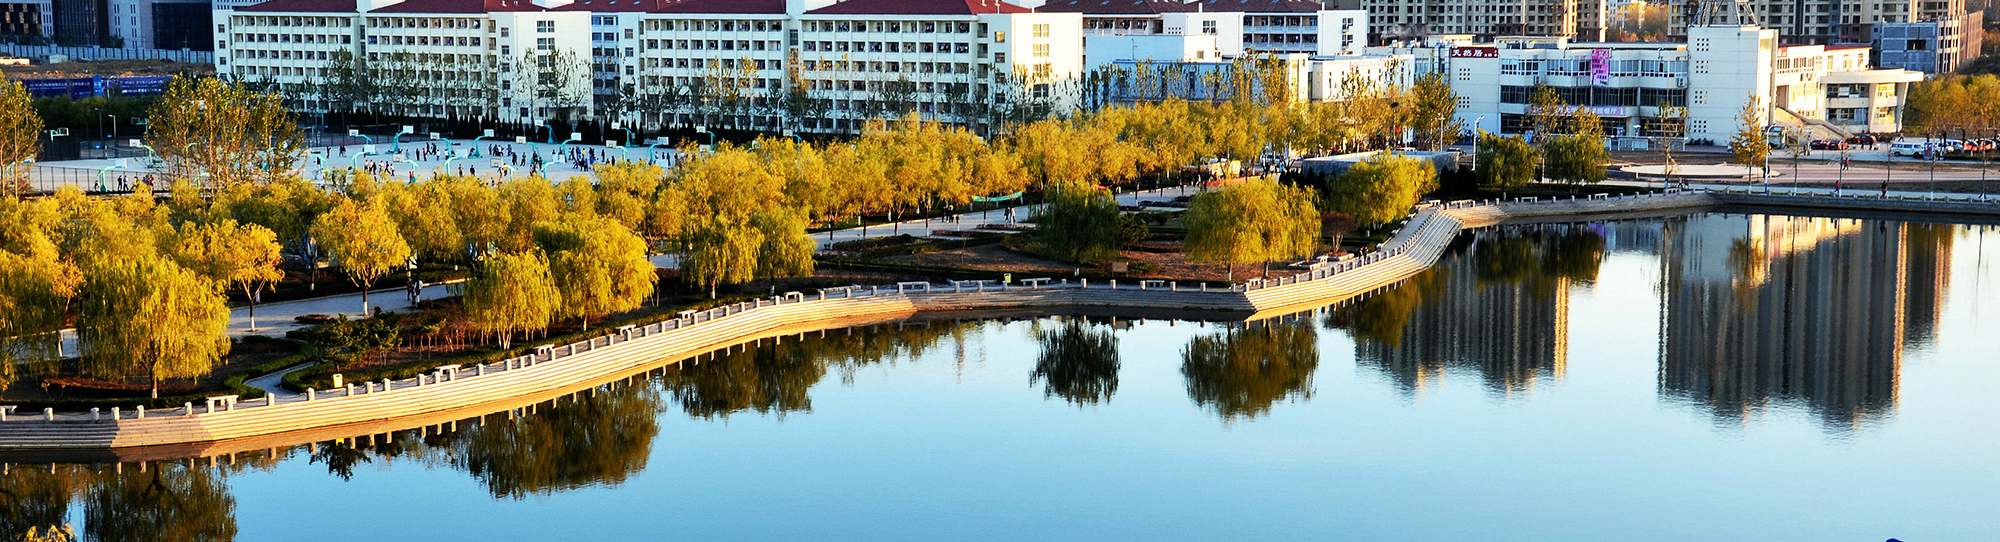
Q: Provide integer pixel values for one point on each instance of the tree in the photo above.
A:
(1079, 224)
(1748, 143)
(1546, 112)
(364, 241)
(511, 293)
(1669, 125)
(167, 502)
(597, 264)
(1254, 222)
(1579, 155)
(786, 250)
(20, 136)
(1506, 162)
(245, 256)
(1381, 189)
(1077, 363)
(1242, 372)
(223, 132)
(1434, 109)
(148, 315)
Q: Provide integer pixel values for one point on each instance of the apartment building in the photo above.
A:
(1932, 36)
(1402, 20)
(161, 24)
(1308, 78)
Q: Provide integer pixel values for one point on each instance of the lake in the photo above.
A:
(1712, 376)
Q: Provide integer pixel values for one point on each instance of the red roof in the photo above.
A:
(458, 6)
(918, 7)
(615, 5)
(1116, 7)
(302, 6)
(1263, 6)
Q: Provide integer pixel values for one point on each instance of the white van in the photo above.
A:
(1907, 148)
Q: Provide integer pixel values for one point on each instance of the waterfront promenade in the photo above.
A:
(621, 352)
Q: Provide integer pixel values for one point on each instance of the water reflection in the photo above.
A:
(599, 439)
(159, 501)
(1079, 362)
(1241, 372)
(772, 376)
(1814, 311)
(1498, 305)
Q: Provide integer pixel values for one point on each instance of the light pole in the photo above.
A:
(711, 137)
(1767, 153)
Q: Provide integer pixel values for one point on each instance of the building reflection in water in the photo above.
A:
(1497, 306)
(1801, 310)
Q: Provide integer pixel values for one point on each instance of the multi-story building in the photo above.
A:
(1308, 79)
(22, 18)
(1240, 26)
(756, 64)
(1934, 46)
(1712, 76)
(81, 23)
(1397, 20)
(494, 59)
(162, 24)
(1932, 36)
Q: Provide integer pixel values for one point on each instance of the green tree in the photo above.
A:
(598, 266)
(230, 254)
(1579, 155)
(1749, 143)
(786, 250)
(1506, 162)
(1079, 224)
(1242, 372)
(20, 136)
(511, 293)
(1381, 189)
(364, 240)
(1547, 112)
(148, 315)
(1255, 222)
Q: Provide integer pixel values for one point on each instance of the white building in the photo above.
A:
(1310, 79)
(1713, 75)
(809, 65)
(509, 60)
(1240, 26)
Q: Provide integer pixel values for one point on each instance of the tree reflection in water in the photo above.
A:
(1078, 362)
(160, 501)
(595, 439)
(1241, 372)
(773, 376)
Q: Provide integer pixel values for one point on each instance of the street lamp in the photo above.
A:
(711, 137)
(1475, 140)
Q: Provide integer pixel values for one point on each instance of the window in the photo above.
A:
(1041, 50)
(545, 27)
(1041, 30)
(1000, 37)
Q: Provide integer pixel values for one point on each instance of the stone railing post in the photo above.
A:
(95, 416)
(115, 414)
(49, 414)
(4, 411)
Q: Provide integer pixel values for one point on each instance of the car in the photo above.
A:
(1908, 148)
(1827, 145)
(1863, 139)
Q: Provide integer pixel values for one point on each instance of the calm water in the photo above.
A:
(1713, 377)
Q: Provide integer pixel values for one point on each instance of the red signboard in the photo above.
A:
(1475, 52)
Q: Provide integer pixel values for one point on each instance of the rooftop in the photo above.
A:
(458, 6)
(1116, 7)
(918, 7)
(302, 6)
(1263, 6)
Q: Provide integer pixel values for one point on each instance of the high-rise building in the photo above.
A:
(1395, 20)
(1927, 36)
(27, 18)
(162, 24)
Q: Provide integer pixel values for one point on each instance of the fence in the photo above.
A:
(46, 179)
(103, 53)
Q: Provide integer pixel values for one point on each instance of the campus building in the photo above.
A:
(1396, 20)
(1237, 27)
(739, 64)
(1829, 90)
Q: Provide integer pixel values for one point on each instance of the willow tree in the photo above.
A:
(1079, 224)
(597, 264)
(222, 132)
(149, 316)
(1506, 162)
(1381, 189)
(364, 240)
(708, 214)
(20, 136)
(511, 293)
(1242, 372)
(229, 254)
(785, 250)
(1077, 362)
(36, 285)
(1579, 155)
(1254, 222)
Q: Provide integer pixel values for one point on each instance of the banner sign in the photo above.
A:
(1475, 52)
(1600, 67)
(1016, 195)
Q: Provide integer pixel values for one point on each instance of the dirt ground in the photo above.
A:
(241, 356)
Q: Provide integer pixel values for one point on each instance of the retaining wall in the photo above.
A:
(623, 351)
